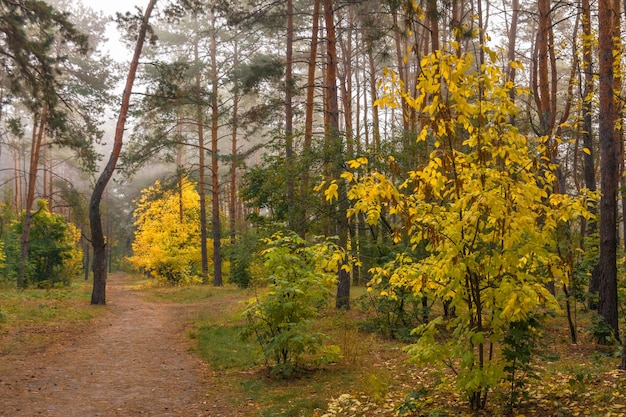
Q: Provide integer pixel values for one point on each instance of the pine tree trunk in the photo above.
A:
(215, 196)
(292, 209)
(35, 152)
(232, 208)
(204, 257)
(336, 145)
(308, 123)
(609, 152)
(98, 295)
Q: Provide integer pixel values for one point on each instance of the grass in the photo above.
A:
(374, 373)
(33, 318)
(373, 376)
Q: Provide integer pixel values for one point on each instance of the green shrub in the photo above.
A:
(54, 257)
(280, 319)
(242, 256)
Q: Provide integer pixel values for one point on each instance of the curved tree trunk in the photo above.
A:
(98, 295)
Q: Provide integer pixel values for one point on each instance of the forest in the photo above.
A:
(445, 176)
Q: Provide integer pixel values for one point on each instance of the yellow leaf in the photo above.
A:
(348, 176)
(587, 151)
(331, 192)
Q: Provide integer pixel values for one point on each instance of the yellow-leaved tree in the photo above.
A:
(481, 212)
(167, 238)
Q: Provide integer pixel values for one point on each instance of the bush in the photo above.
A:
(280, 319)
(54, 257)
(242, 256)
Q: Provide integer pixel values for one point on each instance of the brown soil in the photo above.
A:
(132, 361)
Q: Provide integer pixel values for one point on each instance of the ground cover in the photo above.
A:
(374, 376)
(147, 337)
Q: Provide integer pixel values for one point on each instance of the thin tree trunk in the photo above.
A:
(86, 258)
(335, 141)
(35, 152)
(204, 257)
(308, 118)
(433, 20)
(215, 195)
(588, 145)
(292, 209)
(98, 295)
(373, 95)
(232, 208)
(544, 107)
(512, 42)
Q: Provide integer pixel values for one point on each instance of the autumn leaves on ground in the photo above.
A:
(176, 351)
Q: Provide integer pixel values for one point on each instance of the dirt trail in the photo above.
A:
(134, 361)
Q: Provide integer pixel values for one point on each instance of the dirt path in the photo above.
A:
(134, 361)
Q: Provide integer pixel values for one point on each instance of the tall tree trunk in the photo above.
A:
(619, 105)
(544, 105)
(374, 97)
(308, 117)
(512, 42)
(433, 20)
(609, 168)
(204, 257)
(587, 134)
(17, 174)
(215, 191)
(292, 209)
(180, 169)
(35, 153)
(335, 141)
(98, 295)
(232, 208)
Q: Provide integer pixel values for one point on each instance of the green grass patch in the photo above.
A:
(223, 349)
(191, 294)
(373, 376)
(39, 306)
(33, 318)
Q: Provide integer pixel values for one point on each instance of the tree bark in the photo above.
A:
(336, 145)
(98, 295)
(544, 105)
(35, 153)
(308, 118)
(609, 168)
(215, 195)
(587, 134)
(204, 257)
(232, 208)
(292, 209)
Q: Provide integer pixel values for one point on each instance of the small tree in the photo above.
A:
(300, 282)
(484, 209)
(54, 257)
(167, 239)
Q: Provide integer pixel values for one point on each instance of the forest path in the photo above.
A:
(132, 361)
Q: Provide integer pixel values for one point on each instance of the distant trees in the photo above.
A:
(44, 97)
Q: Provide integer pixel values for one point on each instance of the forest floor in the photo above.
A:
(132, 359)
(176, 351)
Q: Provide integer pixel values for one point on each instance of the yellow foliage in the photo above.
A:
(483, 207)
(167, 242)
